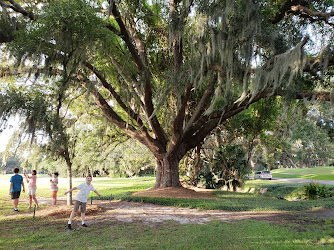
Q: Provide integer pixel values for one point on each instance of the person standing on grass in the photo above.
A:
(32, 187)
(81, 200)
(54, 188)
(15, 188)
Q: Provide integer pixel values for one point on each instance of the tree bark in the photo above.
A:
(69, 177)
(167, 172)
(252, 163)
(69, 184)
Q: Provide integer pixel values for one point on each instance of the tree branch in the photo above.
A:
(299, 7)
(286, 7)
(206, 124)
(272, 60)
(315, 64)
(114, 30)
(179, 119)
(149, 109)
(18, 8)
(324, 15)
(141, 135)
(177, 41)
(130, 82)
(108, 111)
(105, 84)
(201, 105)
(69, 103)
(139, 44)
(126, 38)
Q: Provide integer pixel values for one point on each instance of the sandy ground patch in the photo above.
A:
(151, 214)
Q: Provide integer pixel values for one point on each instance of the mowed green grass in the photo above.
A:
(49, 233)
(23, 231)
(317, 173)
(118, 187)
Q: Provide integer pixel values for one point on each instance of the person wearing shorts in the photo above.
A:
(16, 181)
(32, 188)
(81, 200)
(54, 188)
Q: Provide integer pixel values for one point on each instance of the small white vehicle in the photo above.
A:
(264, 175)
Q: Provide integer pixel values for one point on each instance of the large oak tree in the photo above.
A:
(168, 73)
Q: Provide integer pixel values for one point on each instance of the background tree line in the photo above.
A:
(268, 135)
(168, 74)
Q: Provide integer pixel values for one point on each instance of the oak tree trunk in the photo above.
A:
(167, 172)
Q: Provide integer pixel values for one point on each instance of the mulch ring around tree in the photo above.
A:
(177, 192)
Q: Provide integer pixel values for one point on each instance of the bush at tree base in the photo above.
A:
(229, 167)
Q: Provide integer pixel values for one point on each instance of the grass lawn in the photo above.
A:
(249, 201)
(239, 202)
(317, 173)
(27, 233)
(22, 231)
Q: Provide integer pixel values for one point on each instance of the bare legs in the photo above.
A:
(15, 203)
(54, 198)
(83, 217)
(30, 201)
(73, 214)
(33, 197)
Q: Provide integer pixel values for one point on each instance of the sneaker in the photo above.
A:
(69, 226)
(84, 225)
(15, 210)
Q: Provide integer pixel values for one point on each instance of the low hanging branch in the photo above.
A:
(309, 14)
(18, 8)
(300, 7)
(314, 13)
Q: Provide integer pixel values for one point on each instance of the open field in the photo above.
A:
(286, 229)
(317, 173)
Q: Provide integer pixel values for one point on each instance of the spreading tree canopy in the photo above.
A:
(167, 73)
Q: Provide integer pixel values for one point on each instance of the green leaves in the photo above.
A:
(35, 108)
(313, 191)
(63, 34)
(70, 23)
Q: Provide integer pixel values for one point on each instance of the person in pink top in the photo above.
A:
(32, 187)
(54, 188)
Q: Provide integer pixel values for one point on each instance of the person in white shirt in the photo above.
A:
(81, 200)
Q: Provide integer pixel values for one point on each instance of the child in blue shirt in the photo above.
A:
(15, 188)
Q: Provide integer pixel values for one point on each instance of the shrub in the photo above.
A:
(313, 191)
(228, 167)
(209, 179)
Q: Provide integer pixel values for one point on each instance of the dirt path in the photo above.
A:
(151, 214)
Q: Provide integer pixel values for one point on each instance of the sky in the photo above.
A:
(6, 134)
(4, 138)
